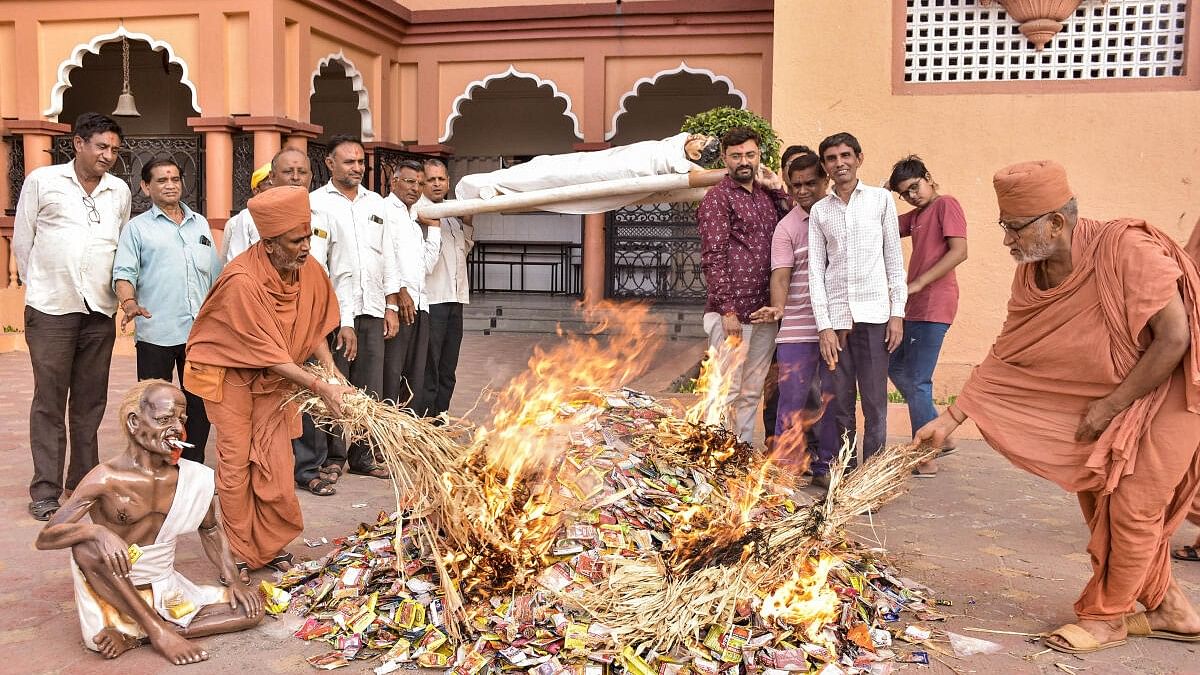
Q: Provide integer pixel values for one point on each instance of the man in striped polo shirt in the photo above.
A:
(797, 346)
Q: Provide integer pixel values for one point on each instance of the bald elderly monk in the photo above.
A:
(1094, 384)
(148, 496)
(267, 313)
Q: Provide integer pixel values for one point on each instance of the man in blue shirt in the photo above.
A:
(166, 262)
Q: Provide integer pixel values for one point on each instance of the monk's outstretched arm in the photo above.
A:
(1169, 343)
(64, 529)
(216, 547)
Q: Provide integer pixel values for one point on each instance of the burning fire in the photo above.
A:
(523, 448)
(805, 600)
(715, 383)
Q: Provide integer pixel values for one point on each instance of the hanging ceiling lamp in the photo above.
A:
(125, 106)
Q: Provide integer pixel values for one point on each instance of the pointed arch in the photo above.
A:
(468, 92)
(653, 79)
(356, 80)
(75, 60)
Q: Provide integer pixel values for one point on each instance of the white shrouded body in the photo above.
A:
(626, 191)
(644, 158)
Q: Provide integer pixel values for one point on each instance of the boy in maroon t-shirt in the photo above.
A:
(938, 229)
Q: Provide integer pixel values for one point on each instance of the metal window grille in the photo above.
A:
(963, 41)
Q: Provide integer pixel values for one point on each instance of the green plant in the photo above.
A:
(895, 397)
(717, 121)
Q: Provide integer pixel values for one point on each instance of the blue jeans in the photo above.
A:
(798, 363)
(911, 368)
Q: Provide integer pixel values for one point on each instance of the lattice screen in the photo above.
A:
(962, 41)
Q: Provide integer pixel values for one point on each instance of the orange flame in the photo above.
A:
(525, 441)
(806, 599)
(715, 383)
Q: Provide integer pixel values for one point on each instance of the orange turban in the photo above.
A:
(280, 210)
(1031, 189)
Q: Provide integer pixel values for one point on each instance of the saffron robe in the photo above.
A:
(156, 566)
(1064, 347)
(250, 321)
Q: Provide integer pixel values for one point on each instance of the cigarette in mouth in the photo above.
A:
(180, 444)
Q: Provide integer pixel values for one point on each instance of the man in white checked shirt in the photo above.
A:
(858, 290)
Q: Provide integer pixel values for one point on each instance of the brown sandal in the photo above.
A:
(322, 487)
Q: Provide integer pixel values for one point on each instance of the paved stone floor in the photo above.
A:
(1006, 548)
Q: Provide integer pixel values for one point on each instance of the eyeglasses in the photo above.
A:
(93, 214)
(737, 156)
(1017, 228)
(408, 181)
(911, 192)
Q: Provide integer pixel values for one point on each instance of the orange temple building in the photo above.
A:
(221, 85)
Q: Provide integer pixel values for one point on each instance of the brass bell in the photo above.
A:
(125, 106)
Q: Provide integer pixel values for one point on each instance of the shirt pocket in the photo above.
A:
(373, 230)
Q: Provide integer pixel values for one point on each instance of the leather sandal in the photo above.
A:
(42, 509)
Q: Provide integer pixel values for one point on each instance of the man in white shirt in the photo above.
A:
(68, 220)
(405, 354)
(858, 290)
(289, 166)
(362, 267)
(447, 287)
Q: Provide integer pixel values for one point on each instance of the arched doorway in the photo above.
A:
(501, 120)
(165, 99)
(656, 106)
(338, 102)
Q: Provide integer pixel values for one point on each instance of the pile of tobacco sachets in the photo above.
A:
(371, 603)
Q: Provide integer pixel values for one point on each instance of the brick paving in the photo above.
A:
(1006, 548)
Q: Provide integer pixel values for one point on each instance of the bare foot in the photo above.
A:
(113, 643)
(1103, 631)
(1175, 613)
(177, 649)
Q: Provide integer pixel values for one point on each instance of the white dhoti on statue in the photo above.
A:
(645, 158)
(156, 568)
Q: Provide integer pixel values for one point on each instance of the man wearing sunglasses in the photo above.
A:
(68, 220)
(1090, 385)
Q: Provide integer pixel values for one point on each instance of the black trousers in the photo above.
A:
(366, 373)
(71, 355)
(311, 450)
(154, 361)
(861, 371)
(404, 358)
(445, 340)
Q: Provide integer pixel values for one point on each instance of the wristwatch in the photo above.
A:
(394, 308)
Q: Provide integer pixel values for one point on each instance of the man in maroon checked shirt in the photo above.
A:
(737, 220)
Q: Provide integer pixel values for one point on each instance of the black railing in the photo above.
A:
(137, 151)
(379, 174)
(654, 253)
(16, 172)
(316, 160)
(243, 169)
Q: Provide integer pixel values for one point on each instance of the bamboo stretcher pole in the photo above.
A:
(668, 183)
